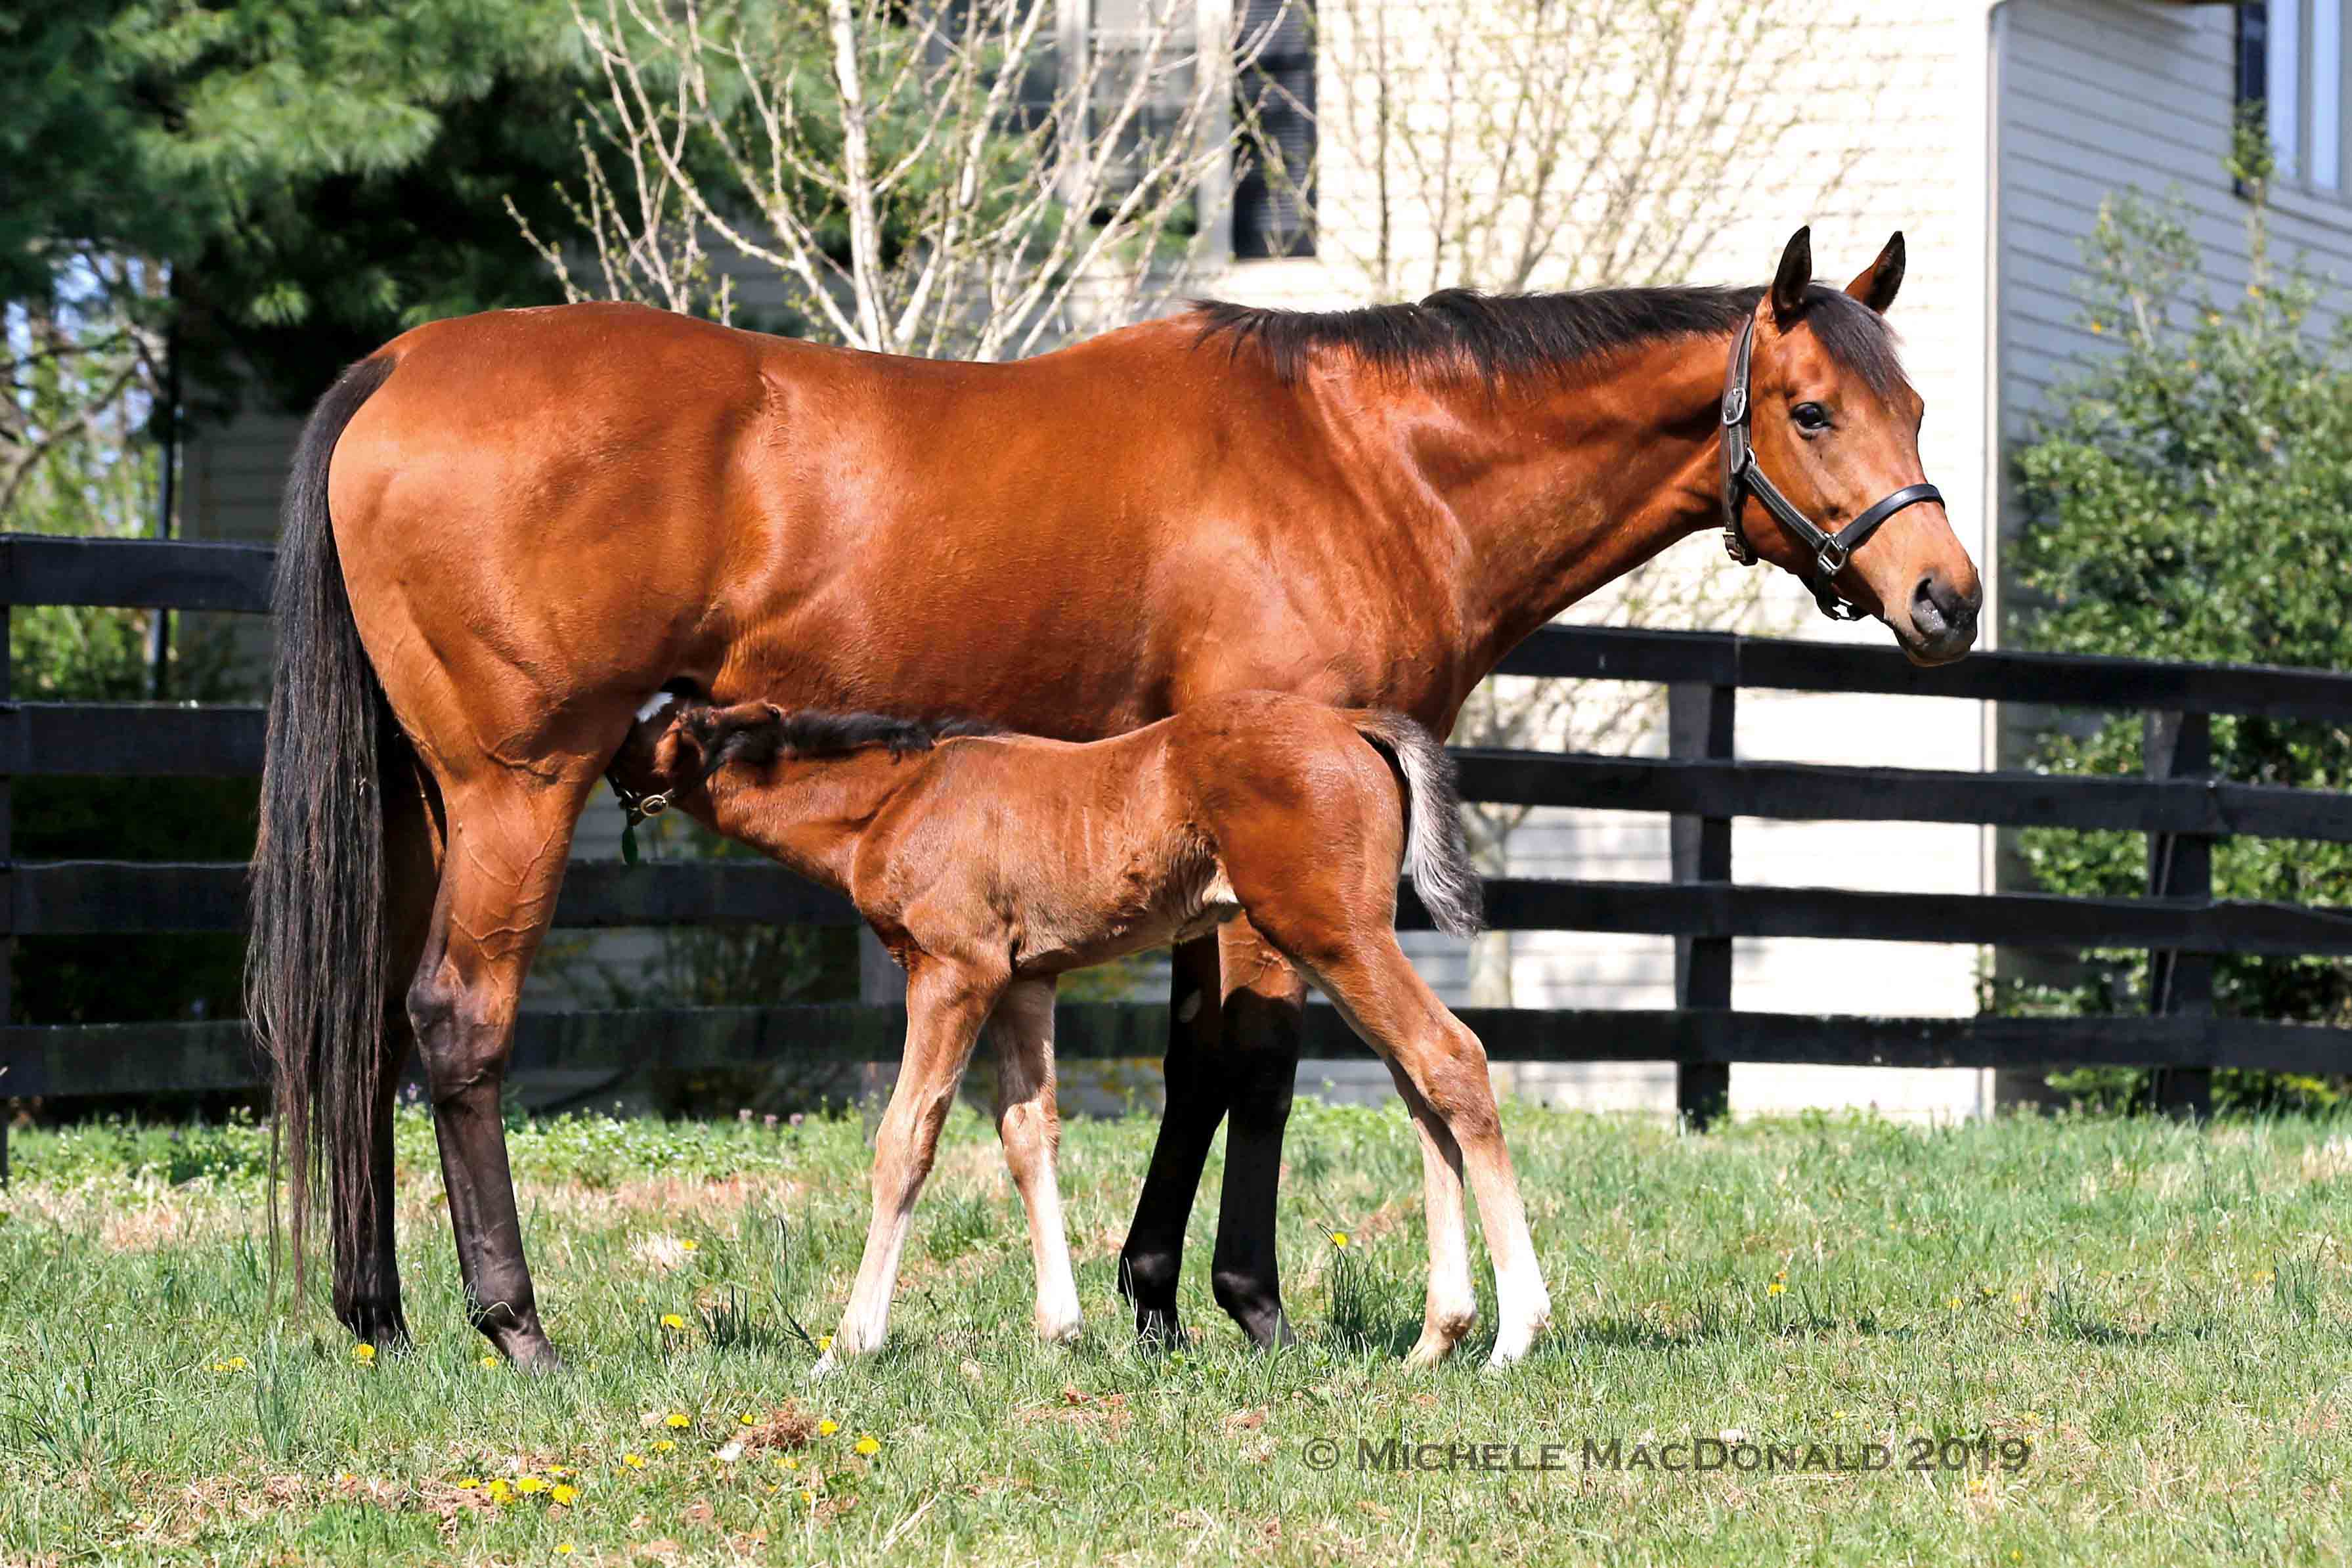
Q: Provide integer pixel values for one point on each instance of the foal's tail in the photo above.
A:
(1436, 853)
(314, 969)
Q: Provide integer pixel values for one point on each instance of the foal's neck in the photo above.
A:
(812, 814)
(1559, 486)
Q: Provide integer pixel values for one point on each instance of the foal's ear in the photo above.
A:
(1796, 274)
(1877, 284)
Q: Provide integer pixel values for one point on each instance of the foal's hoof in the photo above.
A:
(826, 1365)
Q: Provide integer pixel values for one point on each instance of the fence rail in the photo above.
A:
(1701, 785)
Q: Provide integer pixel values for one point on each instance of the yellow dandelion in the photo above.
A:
(529, 1484)
(748, 1419)
(788, 1462)
(672, 1320)
(1837, 1415)
(807, 1496)
(688, 1246)
(867, 1446)
(664, 1447)
(825, 1342)
(566, 1549)
(364, 1353)
(1954, 1303)
(2097, 327)
(827, 1427)
(1776, 1289)
(491, 1359)
(677, 1420)
(634, 1461)
(565, 1493)
(499, 1490)
(469, 1483)
(1338, 1238)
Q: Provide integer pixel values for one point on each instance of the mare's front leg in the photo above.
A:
(1153, 1261)
(947, 1002)
(1233, 1042)
(1264, 1019)
(1020, 1030)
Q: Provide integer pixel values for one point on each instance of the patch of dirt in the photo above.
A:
(1106, 1413)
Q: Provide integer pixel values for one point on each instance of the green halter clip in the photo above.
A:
(635, 808)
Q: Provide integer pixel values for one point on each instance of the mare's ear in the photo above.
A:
(1796, 275)
(1877, 283)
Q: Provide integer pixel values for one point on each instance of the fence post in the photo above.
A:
(1699, 724)
(2180, 866)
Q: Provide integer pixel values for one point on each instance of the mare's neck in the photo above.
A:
(1554, 489)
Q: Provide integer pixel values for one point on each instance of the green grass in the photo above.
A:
(2158, 1313)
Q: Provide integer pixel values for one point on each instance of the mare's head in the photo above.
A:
(1835, 425)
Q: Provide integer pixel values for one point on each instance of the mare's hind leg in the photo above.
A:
(503, 865)
(947, 1003)
(367, 1267)
(1020, 1030)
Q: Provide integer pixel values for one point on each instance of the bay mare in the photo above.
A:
(992, 865)
(504, 533)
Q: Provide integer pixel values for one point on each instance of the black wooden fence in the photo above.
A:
(2182, 806)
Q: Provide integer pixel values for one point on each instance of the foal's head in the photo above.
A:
(1836, 426)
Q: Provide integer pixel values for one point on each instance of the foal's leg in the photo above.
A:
(506, 848)
(1452, 1305)
(1021, 1032)
(947, 1003)
(1395, 1012)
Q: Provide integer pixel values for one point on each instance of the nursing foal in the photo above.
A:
(989, 864)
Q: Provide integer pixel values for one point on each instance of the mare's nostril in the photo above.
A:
(1933, 605)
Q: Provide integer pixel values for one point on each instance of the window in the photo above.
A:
(1273, 200)
(2292, 60)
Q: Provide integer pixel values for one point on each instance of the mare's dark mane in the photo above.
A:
(1459, 331)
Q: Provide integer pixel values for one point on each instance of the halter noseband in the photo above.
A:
(1742, 477)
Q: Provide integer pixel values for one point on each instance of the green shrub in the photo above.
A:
(2192, 499)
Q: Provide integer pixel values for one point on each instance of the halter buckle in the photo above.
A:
(1734, 406)
(1833, 558)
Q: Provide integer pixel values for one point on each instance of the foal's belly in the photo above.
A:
(1067, 939)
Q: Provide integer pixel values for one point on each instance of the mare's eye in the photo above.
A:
(1810, 418)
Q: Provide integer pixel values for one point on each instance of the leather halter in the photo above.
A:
(1742, 477)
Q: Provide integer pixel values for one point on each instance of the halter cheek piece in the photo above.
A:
(1742, 477)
